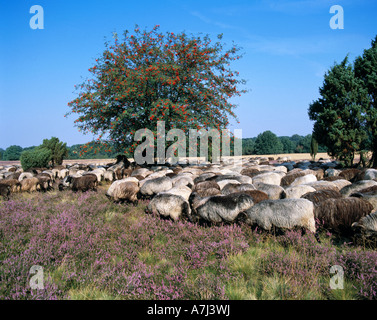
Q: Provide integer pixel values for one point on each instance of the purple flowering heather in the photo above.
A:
(85, 241)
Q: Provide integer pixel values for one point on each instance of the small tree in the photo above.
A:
(12, 153)
(268, 143)
(58, 149)
(313, 148)
(36, 158)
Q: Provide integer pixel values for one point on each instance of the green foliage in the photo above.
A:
(38, 157)
(313, 148)
(288, 145)
(248, 145)
(12, 153)
(1, 153)
(296, 138)
(345, 115)
(29, 148)
(366, 71)
(303, 144)
(339, 112)
(101, 152)
(293, 144)
(150, 76)
(268, 143)
(58, 149)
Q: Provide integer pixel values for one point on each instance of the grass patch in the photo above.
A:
(291, 267)
(90, 293)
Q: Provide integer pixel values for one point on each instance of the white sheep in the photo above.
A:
(223, 183)
(169, 205)
(308, 178)
(144, 172)
(341, 183)
(370, 174)
(109, 175)
(274, 191)
(357, 186)
(63, 173)
(268, 178)
(112, 187)
(323, 185)
(182, 180)
(331, 172)
(98, 172)
(25, 175)
(295, 192)
(123, 191)
(182, 191)
(150, 187)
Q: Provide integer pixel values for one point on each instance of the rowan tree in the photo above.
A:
(182, 79)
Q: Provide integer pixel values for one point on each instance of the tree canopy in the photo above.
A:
(366, 71)
(12, 153)
(268, 143)
(183, 80)
(58, 149)
(38, 157)
(339, 112)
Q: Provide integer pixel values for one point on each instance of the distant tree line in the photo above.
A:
(14, 152)
(55, 151)
(58, 151)
(50, 152)
(268, 143)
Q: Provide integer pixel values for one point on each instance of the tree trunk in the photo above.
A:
(362, 159)
(374, 159)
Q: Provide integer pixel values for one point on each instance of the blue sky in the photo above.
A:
(287, 45)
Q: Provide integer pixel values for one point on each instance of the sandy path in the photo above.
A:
(291, 156)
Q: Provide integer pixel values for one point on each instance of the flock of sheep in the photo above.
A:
(279, 195)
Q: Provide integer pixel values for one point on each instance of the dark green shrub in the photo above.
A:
(38, 157)
(59, 150)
